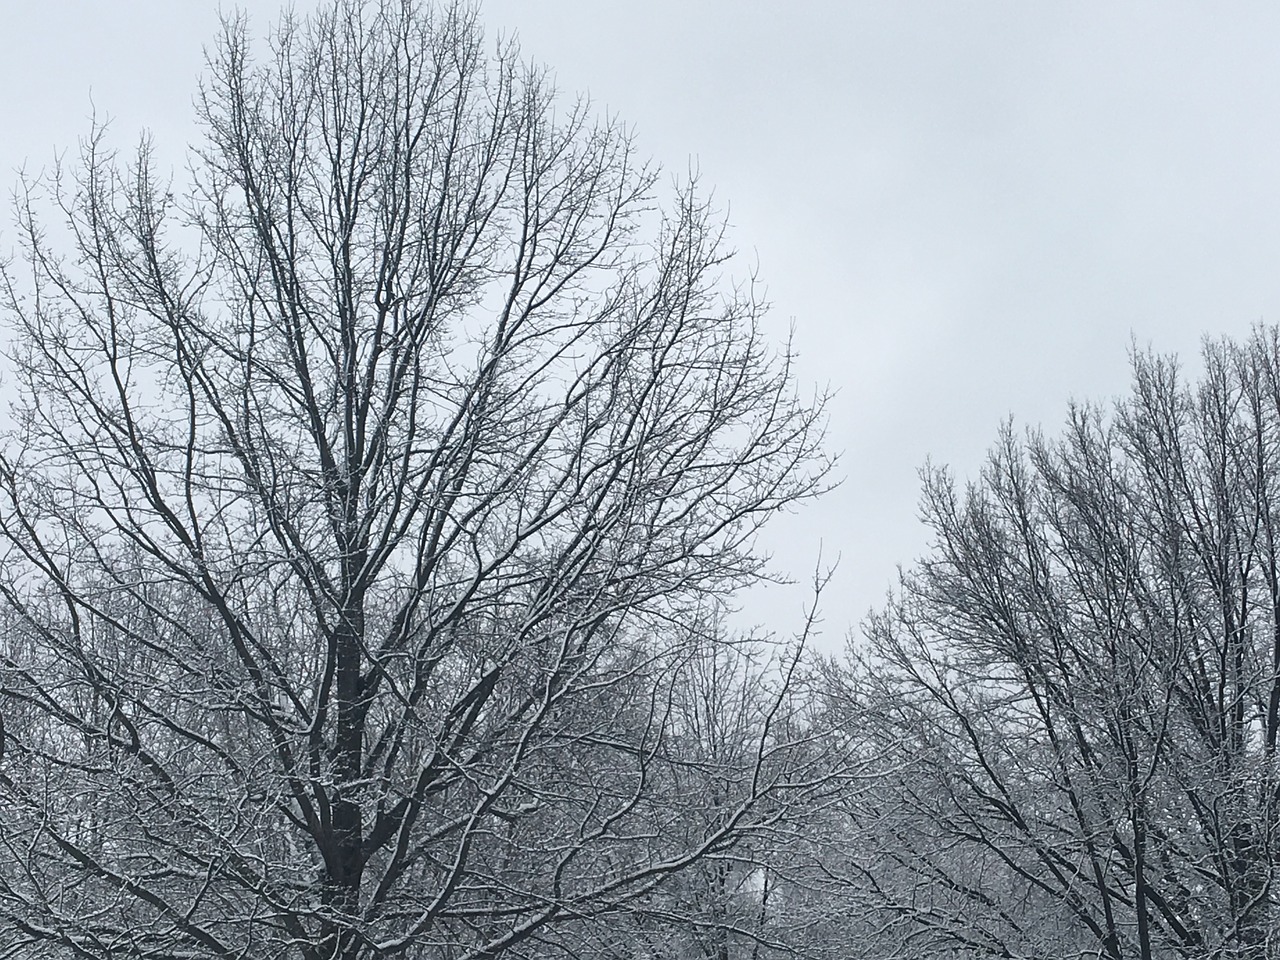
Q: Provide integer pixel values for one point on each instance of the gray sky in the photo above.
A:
(967, 209)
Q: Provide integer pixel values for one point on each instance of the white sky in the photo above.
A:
(967, 209)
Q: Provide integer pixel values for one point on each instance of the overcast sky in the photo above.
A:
(967, 210)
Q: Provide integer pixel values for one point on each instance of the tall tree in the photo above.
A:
(1076, 693)
(363, 509)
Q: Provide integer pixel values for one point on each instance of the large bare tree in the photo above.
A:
(1076, 696)
(366, 509)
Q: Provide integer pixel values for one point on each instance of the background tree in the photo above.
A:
(730, 905)
(361, 510)
(1076, 692)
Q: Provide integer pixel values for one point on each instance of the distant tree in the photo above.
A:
(1076, 695)
(363, 511)
(726, 907)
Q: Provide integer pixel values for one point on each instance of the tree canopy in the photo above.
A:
(369, 515)
(1075, 696)
(373, 508)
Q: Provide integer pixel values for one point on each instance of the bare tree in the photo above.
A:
(361, 509)
(1076, 692)
(737, 716)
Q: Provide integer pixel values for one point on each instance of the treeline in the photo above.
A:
(370, 510)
